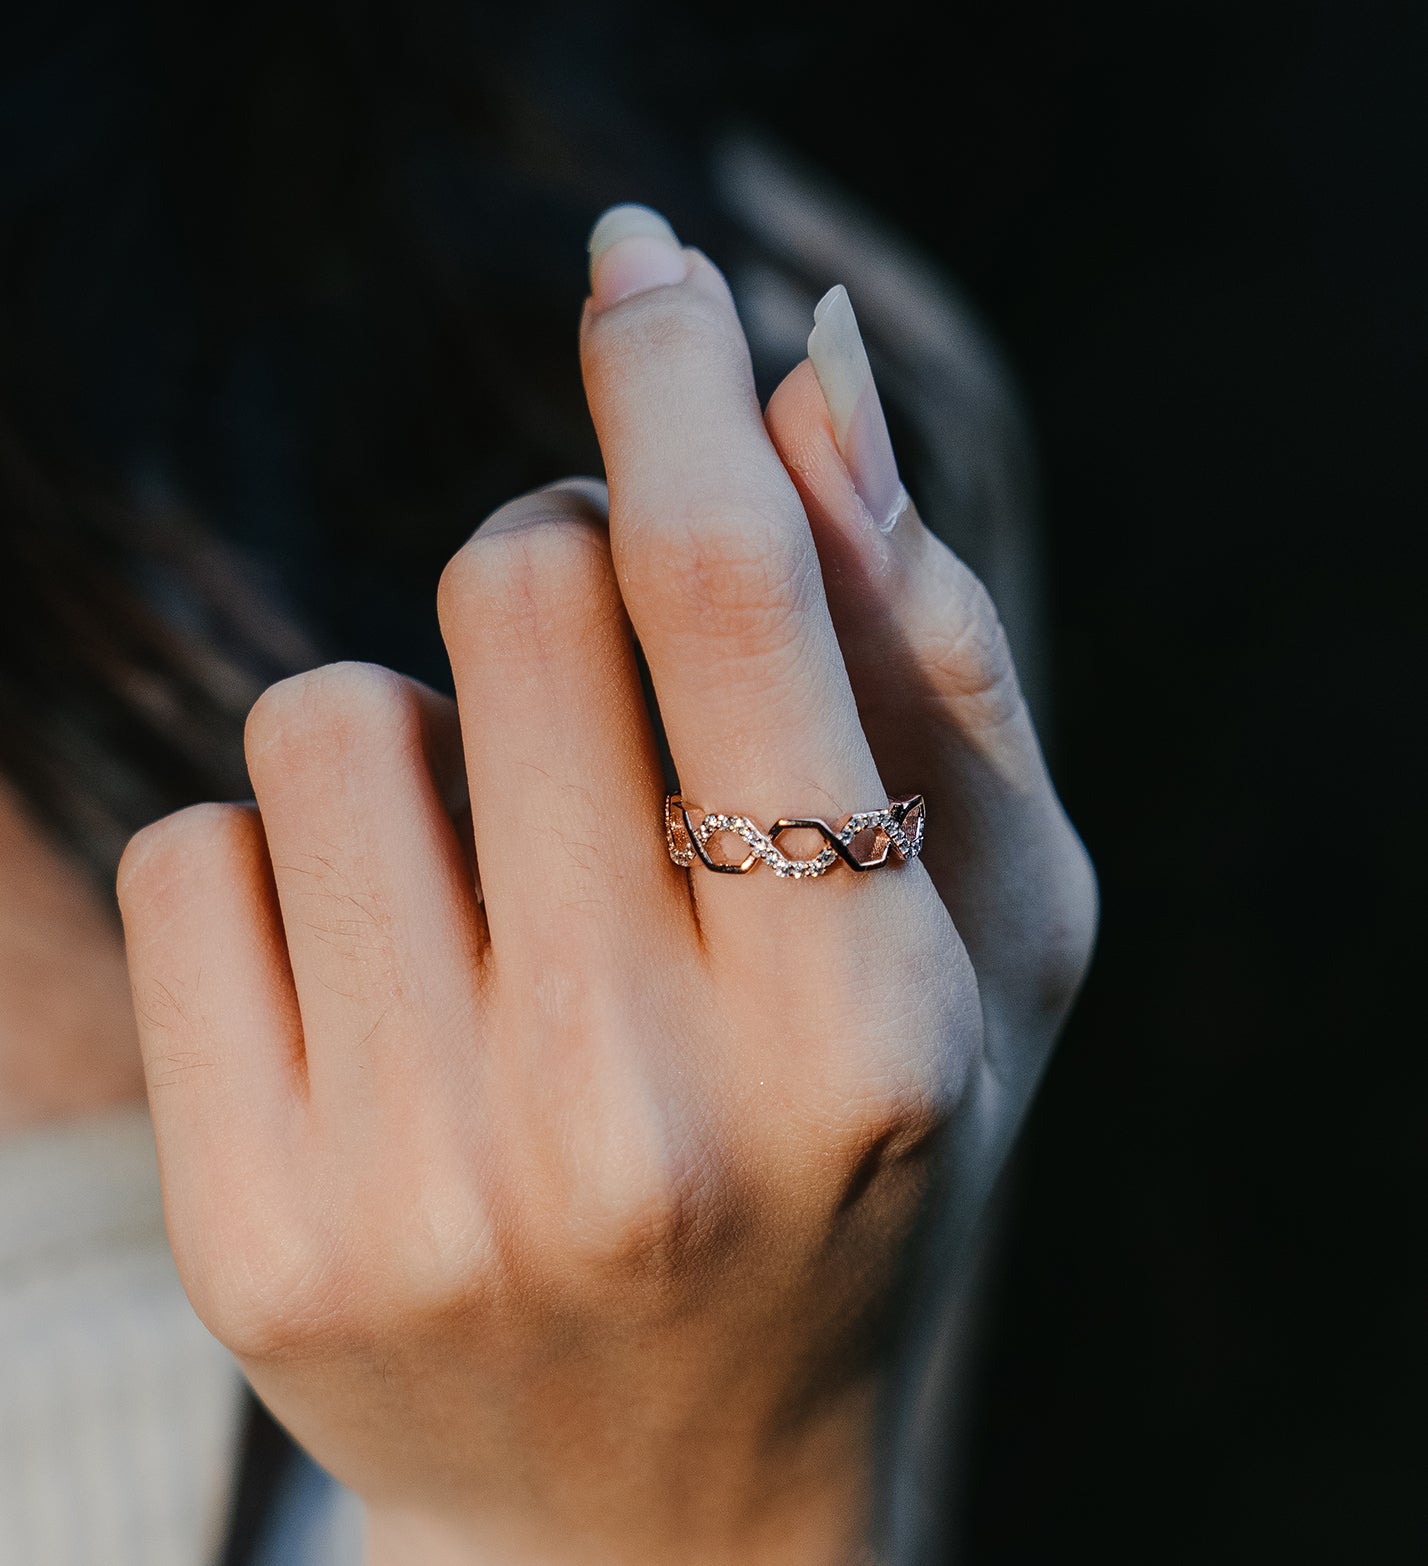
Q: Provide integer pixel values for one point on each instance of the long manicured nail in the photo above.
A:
(632, 249)
(835, 347)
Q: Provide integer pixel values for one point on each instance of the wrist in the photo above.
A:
(804, 1507)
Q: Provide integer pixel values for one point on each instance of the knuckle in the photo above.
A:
(897, 1123)
(516, 582)
(444, 1257)
(731, 572)
(678, 324)
(634, 1223)
(641, 1192)
(159, 857)
(879, 1116)
(967, 651)
(330, 712)
(436, 1286)
(894, 1061)
(267, 1302)
(876, 1140)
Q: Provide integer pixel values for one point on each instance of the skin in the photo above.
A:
(67, 1040)
(559, 1219)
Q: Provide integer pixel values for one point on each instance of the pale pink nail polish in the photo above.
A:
(840, 361)
(632, 249)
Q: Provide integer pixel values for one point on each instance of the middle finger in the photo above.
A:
(714, 554)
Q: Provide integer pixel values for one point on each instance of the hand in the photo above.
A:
(561, 1219)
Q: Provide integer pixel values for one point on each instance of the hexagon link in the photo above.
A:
(899, 827)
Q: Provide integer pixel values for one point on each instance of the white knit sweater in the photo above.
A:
(118, 1411)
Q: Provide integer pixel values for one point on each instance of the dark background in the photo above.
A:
(1198, 231)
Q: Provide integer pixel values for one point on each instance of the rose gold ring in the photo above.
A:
(863, 842)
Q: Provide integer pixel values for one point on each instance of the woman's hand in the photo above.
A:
(560, 1219)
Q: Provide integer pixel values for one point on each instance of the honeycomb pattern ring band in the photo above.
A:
(863, 841)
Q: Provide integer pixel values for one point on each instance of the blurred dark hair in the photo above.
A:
(289, 303)
(309, 274)
(131, 646)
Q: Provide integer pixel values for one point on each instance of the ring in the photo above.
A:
(863, 842)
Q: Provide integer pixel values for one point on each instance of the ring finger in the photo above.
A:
(560, 750)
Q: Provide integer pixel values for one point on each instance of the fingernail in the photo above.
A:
(595, 492)
(835, 347)
(632, 249)
(563, 497)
